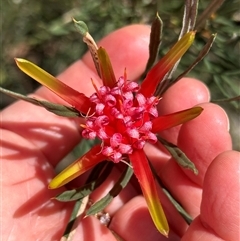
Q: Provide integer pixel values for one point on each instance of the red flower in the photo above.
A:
(124, 116)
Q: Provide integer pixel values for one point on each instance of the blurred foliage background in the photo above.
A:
(43, 32)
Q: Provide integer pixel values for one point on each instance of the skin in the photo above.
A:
(34, 141)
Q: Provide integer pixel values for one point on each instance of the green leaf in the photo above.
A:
(78, 209)
(236, 98)
(100, 205)
(57, 109)
(87, 189)
(179, 156)
(81, 27)
(117, 188)
(229, 88)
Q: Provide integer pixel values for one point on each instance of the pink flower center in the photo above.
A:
(121, 119)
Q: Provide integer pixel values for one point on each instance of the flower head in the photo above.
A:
(124, 116)
(122, 119)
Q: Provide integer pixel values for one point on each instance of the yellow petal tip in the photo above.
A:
(165, 233)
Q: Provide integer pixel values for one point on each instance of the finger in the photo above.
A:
(25, 199)
(27, 202)
(133, 223)
(54, 136)
(197, 230)
(219, 219)
(205, 137)
(220, 204)
(128, 47)
(187, 193)
(185, 94)
(201, 139)
(91, 229)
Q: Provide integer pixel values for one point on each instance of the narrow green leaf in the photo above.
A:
(89, 187)
(117, 188)
(100, 205)
(57, 109)
(236, 98)
(76, 194)
(234, 72)
(179, 156)
(228, 88)
(78, 210)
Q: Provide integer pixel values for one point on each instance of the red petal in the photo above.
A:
(167, 121)
(156, 74)
(144, 175)
(73, 97)
(81, 165)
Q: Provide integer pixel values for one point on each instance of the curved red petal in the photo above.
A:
(167, 121)
(78, 100)
(156, 74)
(144, 175)
(81, 165)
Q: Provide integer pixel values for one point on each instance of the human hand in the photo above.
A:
(34, 141)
